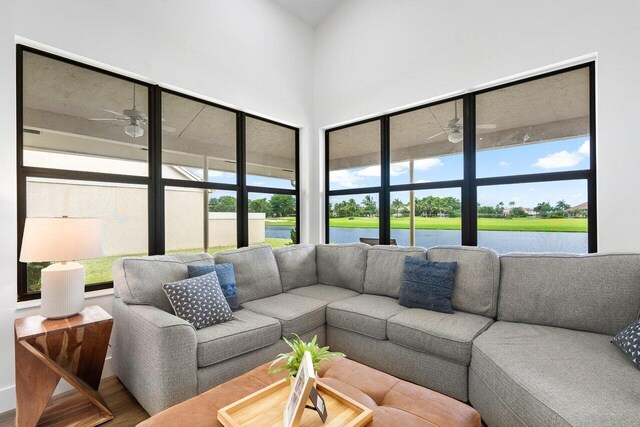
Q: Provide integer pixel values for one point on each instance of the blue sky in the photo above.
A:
(564, 155)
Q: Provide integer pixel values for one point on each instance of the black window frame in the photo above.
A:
(154, 182)
(469, 183)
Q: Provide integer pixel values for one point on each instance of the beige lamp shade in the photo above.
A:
(61, 239)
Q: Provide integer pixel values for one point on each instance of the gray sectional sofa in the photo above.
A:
(528, 344)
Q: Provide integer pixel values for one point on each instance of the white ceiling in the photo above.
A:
(312, 12)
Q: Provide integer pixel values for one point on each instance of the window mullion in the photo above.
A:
(469, 187)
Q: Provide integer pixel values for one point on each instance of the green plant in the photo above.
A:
(292, 360)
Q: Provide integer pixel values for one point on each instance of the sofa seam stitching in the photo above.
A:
(445, 338)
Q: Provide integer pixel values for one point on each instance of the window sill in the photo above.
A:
(22, 305)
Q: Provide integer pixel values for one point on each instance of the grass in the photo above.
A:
(284, 221)
(99, 270)
(484, 224)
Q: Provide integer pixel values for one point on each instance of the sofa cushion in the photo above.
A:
(257, 274)
(364, 314)
(477, 277)
(446, 335)
(248, 331)
(593, 293)
(325, 292)
(297, 314)
(385, 265)
(199, 300)
(297, 265)
(342, 265)
(427, 284)
(553, 376)
(140, 280)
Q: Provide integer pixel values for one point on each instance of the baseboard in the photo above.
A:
(8, 394)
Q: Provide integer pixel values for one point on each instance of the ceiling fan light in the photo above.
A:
(134, 131)
(455, 137)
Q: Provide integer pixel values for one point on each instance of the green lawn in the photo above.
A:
(485, 224)
(289, 221)
(99, 270)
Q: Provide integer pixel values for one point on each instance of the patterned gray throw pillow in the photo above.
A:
(199, 300)
(628, 340)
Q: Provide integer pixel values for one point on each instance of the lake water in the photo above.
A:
(500, 241)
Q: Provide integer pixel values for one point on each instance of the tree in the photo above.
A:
(518, 212)
(369, 206)
(397, 205)
(348, 208)
(282, 205)
(260, 206)
(562, 205)
(222, 204)
(543, 209)
(500, 209)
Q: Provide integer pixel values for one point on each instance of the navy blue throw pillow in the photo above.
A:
(427, 284)
(226, 277)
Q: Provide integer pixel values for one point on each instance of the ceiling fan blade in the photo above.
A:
(112, 112)
(168, 128)
(487, 126)
(437, 134)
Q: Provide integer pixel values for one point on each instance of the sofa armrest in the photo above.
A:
(154, 355)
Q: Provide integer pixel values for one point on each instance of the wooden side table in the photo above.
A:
(74, 349)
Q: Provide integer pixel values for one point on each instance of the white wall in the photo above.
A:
(250, 54)
(372, 56)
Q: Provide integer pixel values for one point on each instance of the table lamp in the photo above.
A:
(63, 241)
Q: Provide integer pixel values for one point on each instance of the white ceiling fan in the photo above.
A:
(134, 117)
(455, 126)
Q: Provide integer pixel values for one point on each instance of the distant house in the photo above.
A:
(529, 212)
(579, 211)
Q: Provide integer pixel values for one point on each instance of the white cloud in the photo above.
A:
(349, 178)
(559, 160)
(368, 171)
(426, 164)
(564, 159)
(532, 189)
(504, 164)
(584, 148)
(577, 196)
(344, 178)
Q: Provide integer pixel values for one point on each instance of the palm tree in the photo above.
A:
(369, 205)
(562, 205)
(397, 205)
(542, 208)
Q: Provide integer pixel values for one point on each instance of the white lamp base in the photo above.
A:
(62, 290)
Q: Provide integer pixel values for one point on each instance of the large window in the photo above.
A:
(511, 168)
(272, 179)
(165, 172)
(354, 175)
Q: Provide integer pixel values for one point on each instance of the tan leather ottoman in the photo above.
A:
(394, 402)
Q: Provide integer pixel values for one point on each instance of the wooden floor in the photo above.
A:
(126, 410)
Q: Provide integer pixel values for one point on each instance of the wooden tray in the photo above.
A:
(265, 408)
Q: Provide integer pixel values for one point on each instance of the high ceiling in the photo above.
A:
(312, 12)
